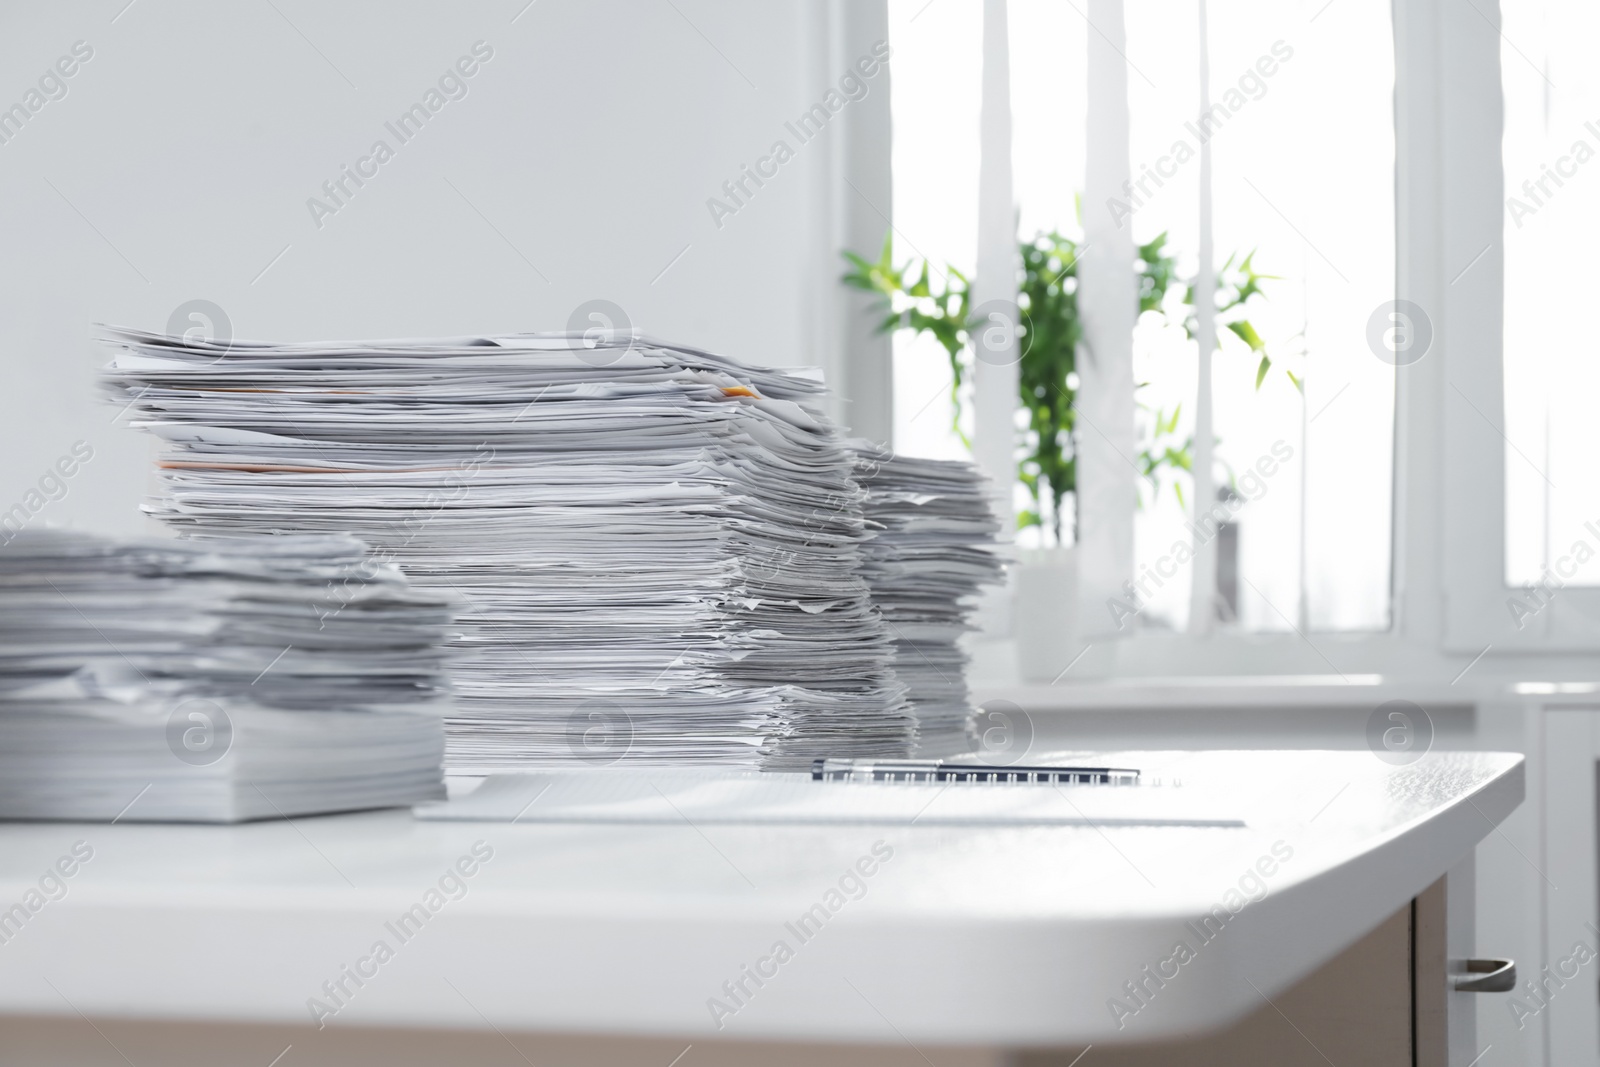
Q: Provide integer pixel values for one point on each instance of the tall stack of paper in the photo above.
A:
(658, 548)
(934, 549)
(214, 680)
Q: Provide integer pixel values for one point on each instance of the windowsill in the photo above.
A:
(1154, 670)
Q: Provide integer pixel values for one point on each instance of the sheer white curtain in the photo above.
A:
(1108, 305)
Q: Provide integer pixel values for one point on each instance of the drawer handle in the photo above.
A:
(1486, 976)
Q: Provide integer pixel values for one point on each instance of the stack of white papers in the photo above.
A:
(658, 549)
(935, 547)
(214, 679)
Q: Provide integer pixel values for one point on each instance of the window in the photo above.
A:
(1303, 175)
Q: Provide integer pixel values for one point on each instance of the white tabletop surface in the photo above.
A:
(991, 936)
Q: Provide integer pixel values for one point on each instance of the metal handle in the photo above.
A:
(1486, 976)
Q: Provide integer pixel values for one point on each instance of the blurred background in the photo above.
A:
(592, 157)
(576, 165)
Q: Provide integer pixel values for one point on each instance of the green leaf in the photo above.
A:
(918, 297)
(1247, 333)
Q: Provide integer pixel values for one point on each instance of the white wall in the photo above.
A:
(180, 161)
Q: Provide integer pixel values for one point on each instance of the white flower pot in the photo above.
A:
(1044, 606)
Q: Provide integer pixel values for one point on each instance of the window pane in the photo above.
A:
(934, 98)
(1304, 179)
(1552, 101)
(1303, 176)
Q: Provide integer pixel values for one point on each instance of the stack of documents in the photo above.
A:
(214, 679)
(658, 549)
(935, 547)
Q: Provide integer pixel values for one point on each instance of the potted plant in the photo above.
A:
(1048, 336)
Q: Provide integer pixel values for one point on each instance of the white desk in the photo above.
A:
(992, 937)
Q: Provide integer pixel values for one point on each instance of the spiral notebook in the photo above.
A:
(612, 795)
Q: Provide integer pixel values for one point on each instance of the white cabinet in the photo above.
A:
(1538, 889)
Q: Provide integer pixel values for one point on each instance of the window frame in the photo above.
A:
(1457, 108)
(1448, 593)
(1449, 598)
